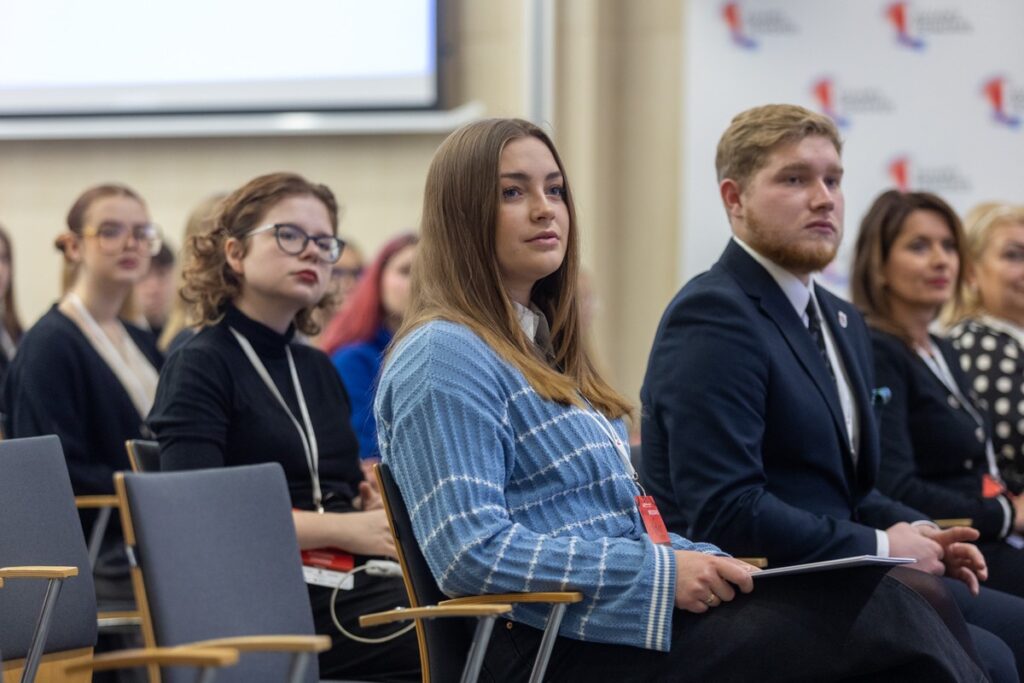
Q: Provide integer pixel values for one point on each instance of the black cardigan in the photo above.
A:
(58, 384)
(933, 452)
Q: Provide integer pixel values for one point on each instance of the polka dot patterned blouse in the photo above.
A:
(992, 356)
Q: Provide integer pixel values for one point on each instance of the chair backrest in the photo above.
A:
(39, 525)
(443, 643)
(216, 556)
(143, 455)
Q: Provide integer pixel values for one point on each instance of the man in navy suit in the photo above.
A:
(759, 425)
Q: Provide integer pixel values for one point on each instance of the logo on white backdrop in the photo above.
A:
(748, 25)
(906, 174)
(913, 26)
(1005, 101)
(842, 103)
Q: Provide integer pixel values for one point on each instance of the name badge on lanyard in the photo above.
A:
(306, 435)
(645, 505)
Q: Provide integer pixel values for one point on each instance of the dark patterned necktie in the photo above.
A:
(814, 327)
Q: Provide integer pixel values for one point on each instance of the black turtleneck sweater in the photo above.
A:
(213, 410)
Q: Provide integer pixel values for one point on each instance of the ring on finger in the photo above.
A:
(711, 599)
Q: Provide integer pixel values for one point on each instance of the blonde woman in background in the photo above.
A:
(989, 331)
(178, 322)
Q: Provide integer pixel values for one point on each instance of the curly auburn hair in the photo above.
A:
(209, 283)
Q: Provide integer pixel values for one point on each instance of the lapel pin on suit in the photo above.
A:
(842, 320)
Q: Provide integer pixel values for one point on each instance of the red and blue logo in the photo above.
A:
(898, 14)
(733, 16)
(824, 93)
(995, 90)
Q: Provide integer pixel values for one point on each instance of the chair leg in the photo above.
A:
(477, 650)
(96, 534)
(547, 642)
(297, 670)
(207, 675)
(38, 642)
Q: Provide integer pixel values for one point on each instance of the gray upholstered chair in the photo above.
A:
(39, 526)
(47, 603)
(215, 558)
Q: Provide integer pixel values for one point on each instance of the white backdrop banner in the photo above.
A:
(928, 95)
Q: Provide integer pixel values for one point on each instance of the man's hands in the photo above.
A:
(946, 552)
(706, 581)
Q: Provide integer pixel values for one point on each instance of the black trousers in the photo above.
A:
(850, 625)
(1005, 567)
(998, 613)
(395, 660)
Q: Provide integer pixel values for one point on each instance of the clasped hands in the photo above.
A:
(946, 552)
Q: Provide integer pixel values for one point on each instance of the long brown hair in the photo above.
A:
(209, 282)
(882, 224)
(457, 278)
(11, 320)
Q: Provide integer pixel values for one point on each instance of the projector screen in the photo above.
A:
(67, 57)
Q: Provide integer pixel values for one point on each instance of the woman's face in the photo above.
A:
(922, 268)
(395, 281)
(999, 273)
(110, 248)
(272, 275)
(533, 218)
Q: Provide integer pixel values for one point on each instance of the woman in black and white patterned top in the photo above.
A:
(989, 337)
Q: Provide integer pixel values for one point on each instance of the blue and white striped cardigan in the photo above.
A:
(509, 492)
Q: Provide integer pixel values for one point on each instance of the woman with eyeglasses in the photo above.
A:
(83, 373)
(244, 391)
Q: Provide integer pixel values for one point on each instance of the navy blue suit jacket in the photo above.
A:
(744, 442)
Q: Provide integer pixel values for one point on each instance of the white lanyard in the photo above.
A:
(936, 362)
(620, 446)
(307, 435)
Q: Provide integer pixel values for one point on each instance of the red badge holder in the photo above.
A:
(653, 522)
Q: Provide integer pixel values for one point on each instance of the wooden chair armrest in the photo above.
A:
(955, 521)
(514, 598)
(432, 612)
(759, 562)
(38, 572)
(162, 656)
(272, 643)
(83, 502)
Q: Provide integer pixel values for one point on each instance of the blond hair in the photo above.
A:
(199, 221)
(754, 134)
(457, 277)
(979, 223)
(210, 283)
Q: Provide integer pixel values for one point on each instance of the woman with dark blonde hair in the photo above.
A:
(989, 329)
(511, 452)
(937, 454)
(242, 391)
(10, 323)
(82, 372)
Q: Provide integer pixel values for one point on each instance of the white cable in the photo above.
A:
(352, 636)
